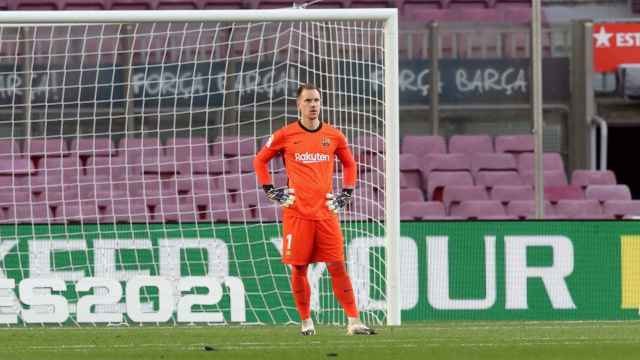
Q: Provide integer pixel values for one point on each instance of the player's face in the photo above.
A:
(309, 104)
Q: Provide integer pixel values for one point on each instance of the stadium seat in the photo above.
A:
(411, 170)
(10, 148)
(550, 178)
(580, 209)
(445, 162)
(492, 162)
(491, 179)
(185, 148)
(420, 145)
(126, 211)
(514, 144)
(49, 147)
(526, 209)
(409, 195)
(604, 193)
(422, 210)
(240, 183)
(454, 195)
(113, 167)
(84, 5)
(225, 4)
(93, 146)
(29, 213)
(230, 146)
(551, 161)
(132, 5)
(267, 214)
(508, 193)
(368, 144)
(133, 148)
(622, 208)
(61, 167)
(179, 5)
(15, 166)
(584, 178)
(470, 144)
(37, 5)
(371, 3)
(438, 180)
(368, 162)
(565, 192)
(232, 214)
(77, 212)
(481, 210)
(213, 165)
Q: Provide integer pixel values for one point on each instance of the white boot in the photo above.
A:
(356, 327)
(307, 328)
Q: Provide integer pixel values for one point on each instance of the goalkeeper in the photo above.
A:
(310, 223)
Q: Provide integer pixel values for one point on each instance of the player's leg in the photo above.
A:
(330, 249)
(296, 251)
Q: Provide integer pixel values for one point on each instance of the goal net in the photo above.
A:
(126, 149)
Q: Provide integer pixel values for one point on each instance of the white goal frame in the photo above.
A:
(390, 19)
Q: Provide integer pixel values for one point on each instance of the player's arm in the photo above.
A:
(349, 175)
(283, 196)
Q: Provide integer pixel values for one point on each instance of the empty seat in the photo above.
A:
(368, 162)
(608, 192)
(186, 148)
(446, 162)
(490, 179)
(411, 170)
(34, 213)
(267, 214)
(420, 145)
(410, 195)
(77, 212)
(566, 192)
(93, 146)
(515, 144)
(580, 209)
(508, 193)
(550, 178)
(422, 210)
(61, 168)
(10, 148)
(49, 147)
(480, 209)
(368, 144)
(592, 177)
(438, 180)
(492, 162)
(113, 167)
(470, 144)
(453, 195)
(134, 148)
(242, 182)
(231, 146)
(526, 209)
(15, 166)
(622, 208)
(551, 161)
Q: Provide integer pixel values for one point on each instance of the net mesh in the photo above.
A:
(126, 162)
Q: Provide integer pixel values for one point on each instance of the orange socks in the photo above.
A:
(342, 288)
(301, 290)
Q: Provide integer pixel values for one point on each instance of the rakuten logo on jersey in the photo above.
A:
(308, 157)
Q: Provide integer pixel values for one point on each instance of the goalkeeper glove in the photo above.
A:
(283, 196)
(338, 202)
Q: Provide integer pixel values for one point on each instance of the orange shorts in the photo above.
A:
(309, 241)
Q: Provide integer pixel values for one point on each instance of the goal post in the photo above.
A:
(126, 148)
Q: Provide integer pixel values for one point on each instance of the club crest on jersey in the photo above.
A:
(325, 142)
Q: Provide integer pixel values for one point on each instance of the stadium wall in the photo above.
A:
(490, 270)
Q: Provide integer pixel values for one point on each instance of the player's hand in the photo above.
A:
(337, 203)
(283, 196)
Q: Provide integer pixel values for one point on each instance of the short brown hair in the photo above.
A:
(307, 86)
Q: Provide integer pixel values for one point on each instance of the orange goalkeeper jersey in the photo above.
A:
(308, 159)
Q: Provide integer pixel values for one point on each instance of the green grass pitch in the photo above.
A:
(426, 340)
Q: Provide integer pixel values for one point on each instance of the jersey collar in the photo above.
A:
(310, 130)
